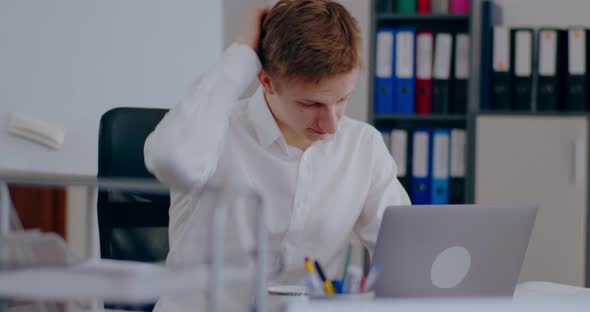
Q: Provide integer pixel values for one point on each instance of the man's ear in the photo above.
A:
(266, 81)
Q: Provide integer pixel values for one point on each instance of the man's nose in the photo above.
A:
(328, 120)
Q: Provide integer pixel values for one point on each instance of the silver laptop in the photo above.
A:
(452, 250)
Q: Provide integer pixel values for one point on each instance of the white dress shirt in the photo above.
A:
(315, 199)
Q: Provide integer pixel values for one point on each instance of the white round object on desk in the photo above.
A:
(280, 296)
(287, 290)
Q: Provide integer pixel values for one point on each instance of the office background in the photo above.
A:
(223, 21)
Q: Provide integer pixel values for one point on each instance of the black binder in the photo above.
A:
(402, 145)
(384, 6)
(577, 73)
(457, 166)
(457, 191)
(441, 74)
(459, 103)
(550, 68)
(441, 96)
(500, 77)
(490, 16)
(522, 43)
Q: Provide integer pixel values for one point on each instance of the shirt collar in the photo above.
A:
(265, 125)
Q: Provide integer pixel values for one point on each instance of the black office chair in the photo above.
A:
(132, 225)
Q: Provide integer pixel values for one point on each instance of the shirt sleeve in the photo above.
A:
(385, 190)
(183, 150)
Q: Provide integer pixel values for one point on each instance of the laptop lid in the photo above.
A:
(452, 250)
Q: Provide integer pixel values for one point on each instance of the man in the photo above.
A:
(323, 176)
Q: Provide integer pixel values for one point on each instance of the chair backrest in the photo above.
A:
(132, 225)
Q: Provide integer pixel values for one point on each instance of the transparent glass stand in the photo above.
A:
(230, 257)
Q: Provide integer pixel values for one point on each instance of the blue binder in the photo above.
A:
(439, 165)
(420, 177)
(404, 78)
(384, 71)
(490, 12)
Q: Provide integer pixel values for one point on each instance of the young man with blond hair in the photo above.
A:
(322, 175)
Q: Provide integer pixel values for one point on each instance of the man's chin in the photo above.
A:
(314, 136)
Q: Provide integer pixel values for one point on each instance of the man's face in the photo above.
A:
(307, 111)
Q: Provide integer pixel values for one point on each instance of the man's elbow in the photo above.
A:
(160, 160)
(172, 168)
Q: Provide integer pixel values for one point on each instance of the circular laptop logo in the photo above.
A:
(450, 267)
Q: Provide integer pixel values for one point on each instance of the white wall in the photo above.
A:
(359, 101)
(68, 61)
(549, 13)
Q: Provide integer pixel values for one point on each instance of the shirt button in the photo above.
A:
(305, 156)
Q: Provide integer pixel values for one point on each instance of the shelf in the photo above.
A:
(405, 121)
(535, 113)
(422, 17)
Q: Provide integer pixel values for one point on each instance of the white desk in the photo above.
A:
(449, 305)
(528, 296)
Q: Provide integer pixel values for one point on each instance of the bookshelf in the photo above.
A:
(514, 149)
(537, 157)
(532, 157)
(408, 121)
(413, 18)
(384, 15)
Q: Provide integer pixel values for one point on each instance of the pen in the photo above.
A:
(328, 287)
(345, 280)
(363, 282)
(354, 279)
(372, 277)
(311, 279)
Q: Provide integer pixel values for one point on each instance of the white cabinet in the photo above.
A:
(541, 160)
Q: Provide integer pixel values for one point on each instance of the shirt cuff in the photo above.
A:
(241, 64)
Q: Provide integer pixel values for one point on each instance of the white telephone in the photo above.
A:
(36, 130)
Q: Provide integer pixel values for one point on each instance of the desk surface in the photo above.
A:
(441, 305)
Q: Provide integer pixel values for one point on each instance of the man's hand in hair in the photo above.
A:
(252, 27)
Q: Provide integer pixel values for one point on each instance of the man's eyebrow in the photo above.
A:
(316, 102)
(312, 102)
(349, 93)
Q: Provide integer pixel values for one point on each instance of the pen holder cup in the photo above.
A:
(280, 296)
(354, 296)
